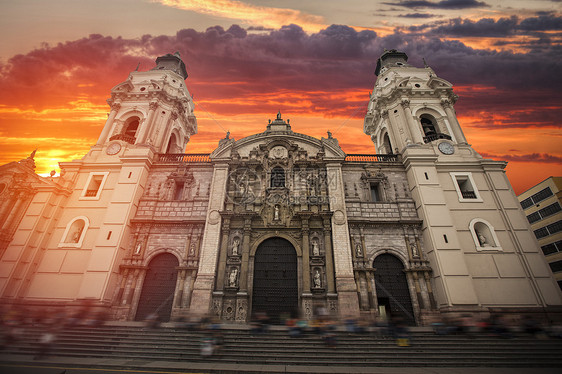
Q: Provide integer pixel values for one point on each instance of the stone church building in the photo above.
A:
(277, 222)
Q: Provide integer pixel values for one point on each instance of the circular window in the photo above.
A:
(163, 112)
(417, 85)
(143, 88)
(385, 79)
(395, 111)
(399, 64)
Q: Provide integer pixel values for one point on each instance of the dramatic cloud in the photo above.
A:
(252, 14)
(320, 81)
(418, 15)
(444, 4)
(533, 157)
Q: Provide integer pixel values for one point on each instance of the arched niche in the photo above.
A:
(484, 235)
(74, 232)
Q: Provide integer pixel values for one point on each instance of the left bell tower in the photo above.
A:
(151, 109)
(73, 253)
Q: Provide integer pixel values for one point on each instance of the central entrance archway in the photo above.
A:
(158, 288)
(275, 289)
(393, 294)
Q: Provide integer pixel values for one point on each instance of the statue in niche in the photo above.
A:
(482, 240)
(76, 235)
(235, 246)
(192, 249)
(315, 247)
(414, 247)
(168, 190)
(138, 248)
(232, 277)
(317, 280)
(358, 250)
(276, 213)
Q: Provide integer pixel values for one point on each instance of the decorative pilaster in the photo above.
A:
(455, 126)
(108, 124)
(415, 130)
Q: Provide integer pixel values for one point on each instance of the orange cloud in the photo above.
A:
(250, 14)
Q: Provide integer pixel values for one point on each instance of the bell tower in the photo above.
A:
(151, 109)
(482, 252)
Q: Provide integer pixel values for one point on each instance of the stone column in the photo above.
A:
(348, 303)
(455, 126)
(305, 257)
(329, 257)
(223, 255)
(18, 197)
(243, 279)
(415, 130)
(203, 286)
(393, 131)
(108, 124)
(147, 125)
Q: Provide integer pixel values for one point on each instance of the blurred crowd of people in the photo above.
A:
(49, 321)
(15, 320)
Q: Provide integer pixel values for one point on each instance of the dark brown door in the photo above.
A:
(392, 288)
(275, 290)
(158, 289)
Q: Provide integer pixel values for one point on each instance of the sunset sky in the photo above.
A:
(311, 59)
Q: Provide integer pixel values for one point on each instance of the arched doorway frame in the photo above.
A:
(142, 277)
(253, 249)
(409, 281)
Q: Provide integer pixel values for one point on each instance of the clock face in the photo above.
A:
(113, 148)
(446, 148)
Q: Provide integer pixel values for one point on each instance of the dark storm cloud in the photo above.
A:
(541, 23)
(532, 157)
(312, 72)
(483, 27)
(417, 15)
(444, 4)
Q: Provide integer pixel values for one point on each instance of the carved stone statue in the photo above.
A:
(192, 249)
(317, 280)
(235, 246)
(414, 247)
(76, 235)
(138, 248)
(315, 248)
(482, 240)
(232, 277)
(358, 250)
(276, 213)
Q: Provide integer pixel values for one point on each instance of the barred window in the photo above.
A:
(534, 217)
(556, 266)
(551, 248)
(554, 227)
(536, 198)
(541, 233)
(550, 210)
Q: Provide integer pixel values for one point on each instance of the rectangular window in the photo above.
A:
(466, 188)
(537, 198)
(554, 227)
(534, 217)
(544, 212)
(541, 233)
(375, 193)
(556, 266)
(94, 186)
(552, 248)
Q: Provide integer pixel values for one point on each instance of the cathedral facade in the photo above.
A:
(278, 222)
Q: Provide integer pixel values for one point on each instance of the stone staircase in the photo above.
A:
(241, 347)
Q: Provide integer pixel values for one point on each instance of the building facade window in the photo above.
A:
(556, 266)
(466, 188)
(277, 177)
(551, 229)
(544, 212)
(551, 248)
(484, 235)
(74, 233)
(375, 192)
(536, 198)
(94, 186)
